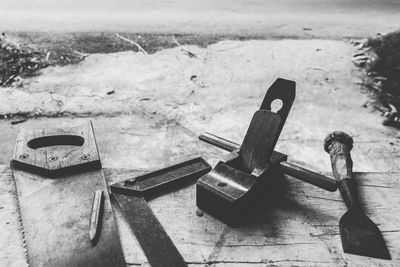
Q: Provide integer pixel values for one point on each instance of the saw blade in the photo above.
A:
(21, 225)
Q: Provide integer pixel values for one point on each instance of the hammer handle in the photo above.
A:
(293, 170)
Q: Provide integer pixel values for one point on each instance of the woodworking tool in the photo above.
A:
(131, 196)
(241, 181)
(56, 172)
(359, 234)
(288, 168)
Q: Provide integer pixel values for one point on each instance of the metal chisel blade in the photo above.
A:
(361, 236)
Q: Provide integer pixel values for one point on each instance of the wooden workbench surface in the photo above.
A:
(301, 229)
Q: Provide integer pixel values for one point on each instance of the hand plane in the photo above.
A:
(239, 182)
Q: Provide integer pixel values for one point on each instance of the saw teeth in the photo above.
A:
(21, 228)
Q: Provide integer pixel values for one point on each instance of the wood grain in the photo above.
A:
(302, 230)
(71, 149)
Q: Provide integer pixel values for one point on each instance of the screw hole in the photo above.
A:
(53, 158)
(276, 105)
(221, 184)
(24, 156)
(85, 157)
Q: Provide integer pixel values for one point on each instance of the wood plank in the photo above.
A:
(302, 230)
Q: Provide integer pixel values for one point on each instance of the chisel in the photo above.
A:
(359, 234)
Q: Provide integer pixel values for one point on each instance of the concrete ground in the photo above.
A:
(149, 109)
(268, 19)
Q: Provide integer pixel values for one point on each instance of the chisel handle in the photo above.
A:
(338, 145)
(293, 170)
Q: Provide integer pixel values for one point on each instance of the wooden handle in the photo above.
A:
(57, 152)
(219, 142)
(295, 171)
(338, 145)
(308, 176)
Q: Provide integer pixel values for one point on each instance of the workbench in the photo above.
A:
(300, 228)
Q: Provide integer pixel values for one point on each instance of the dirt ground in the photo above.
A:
(149, 109)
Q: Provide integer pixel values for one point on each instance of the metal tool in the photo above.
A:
(288, 168)
(55, 172)
(131, 197)
(234, 185)
(240, 182)
(95, 218)
(359, 234)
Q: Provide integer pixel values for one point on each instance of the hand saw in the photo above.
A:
(131, 197)
(56, 172)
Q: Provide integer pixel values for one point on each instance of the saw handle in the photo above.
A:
(293, 170)
(338, 145)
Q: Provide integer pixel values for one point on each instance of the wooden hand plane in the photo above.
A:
(234, 185)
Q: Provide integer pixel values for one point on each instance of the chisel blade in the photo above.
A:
(361, 236)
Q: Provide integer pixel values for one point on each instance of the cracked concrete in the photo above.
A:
(149, 109)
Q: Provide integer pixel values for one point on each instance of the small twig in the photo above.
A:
(132, 42)
(18, 121)
(47, 56)
(83, 55)
(184, 49)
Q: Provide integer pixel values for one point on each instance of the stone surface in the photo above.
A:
(162, 102)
